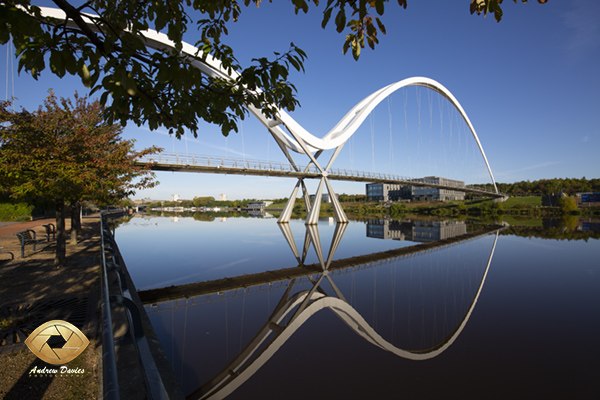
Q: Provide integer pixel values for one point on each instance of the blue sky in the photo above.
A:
(529, 84)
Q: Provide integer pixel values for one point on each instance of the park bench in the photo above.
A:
(28, 237)
(50, 230)
(12, 257)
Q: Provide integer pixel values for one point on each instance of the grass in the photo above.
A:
(12, 321)
(276, 206)
(531, 201)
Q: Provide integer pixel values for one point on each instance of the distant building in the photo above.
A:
(552, 200)
(588, 199)
(175, 197)
(395, 192)
(325, 198)
(259, 205)
(384, 192)
(222, 197)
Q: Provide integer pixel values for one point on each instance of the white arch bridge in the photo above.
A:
(288, 133)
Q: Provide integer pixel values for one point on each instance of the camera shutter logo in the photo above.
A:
(57, 342)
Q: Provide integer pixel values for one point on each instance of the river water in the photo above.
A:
(378, 309)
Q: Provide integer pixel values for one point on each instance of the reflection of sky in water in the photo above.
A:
(534, 327)
(159, 252)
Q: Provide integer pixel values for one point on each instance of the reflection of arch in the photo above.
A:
(298, 308)
(301, 140)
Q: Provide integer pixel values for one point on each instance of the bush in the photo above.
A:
(567, 204)
(15, 212)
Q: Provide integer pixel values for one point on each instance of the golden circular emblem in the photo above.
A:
(57, 342)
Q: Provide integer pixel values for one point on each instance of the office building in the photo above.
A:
(395, 192)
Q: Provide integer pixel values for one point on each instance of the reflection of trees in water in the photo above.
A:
(117, 222)
(200, 216)
(568, 227)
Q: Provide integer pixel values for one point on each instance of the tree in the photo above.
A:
(66, 153)
(567, 204)
(203, 201)
(163, 88)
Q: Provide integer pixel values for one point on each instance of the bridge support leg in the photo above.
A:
(313, 214)
(286, 214)
(340, 215)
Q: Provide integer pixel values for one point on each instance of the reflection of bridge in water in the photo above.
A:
(219, 288)
(296, 307)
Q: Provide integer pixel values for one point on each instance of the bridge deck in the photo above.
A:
(232, 166)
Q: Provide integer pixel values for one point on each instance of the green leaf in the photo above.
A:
(380, 26)
(57, 63)
(347, 43)
(340, 20)
(379, 7)
(356, 49)
(326, 17)
(85, 76)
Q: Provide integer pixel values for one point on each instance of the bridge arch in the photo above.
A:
(348, 125)
(300, 141)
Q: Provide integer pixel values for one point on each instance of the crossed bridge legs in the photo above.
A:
(313, 208)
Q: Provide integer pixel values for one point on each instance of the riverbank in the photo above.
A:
(514, 206)
(34, 291)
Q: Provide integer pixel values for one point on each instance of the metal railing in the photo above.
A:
(251, 164)
(154, 386)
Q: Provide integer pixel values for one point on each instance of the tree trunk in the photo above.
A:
(61, 235)
(75, 221)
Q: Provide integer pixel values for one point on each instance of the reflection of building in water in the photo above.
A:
(395, 192)
(260, 213)
(590, 225)
(385, 229)
(415, 231)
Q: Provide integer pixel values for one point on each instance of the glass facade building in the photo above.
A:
(395, 192)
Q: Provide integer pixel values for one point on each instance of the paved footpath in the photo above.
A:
(33, 290)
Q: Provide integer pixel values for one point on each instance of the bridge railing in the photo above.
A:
(252, 164)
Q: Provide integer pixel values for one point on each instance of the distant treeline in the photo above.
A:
(569, 186)
(206, 201)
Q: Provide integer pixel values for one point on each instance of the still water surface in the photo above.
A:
(495, 316)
